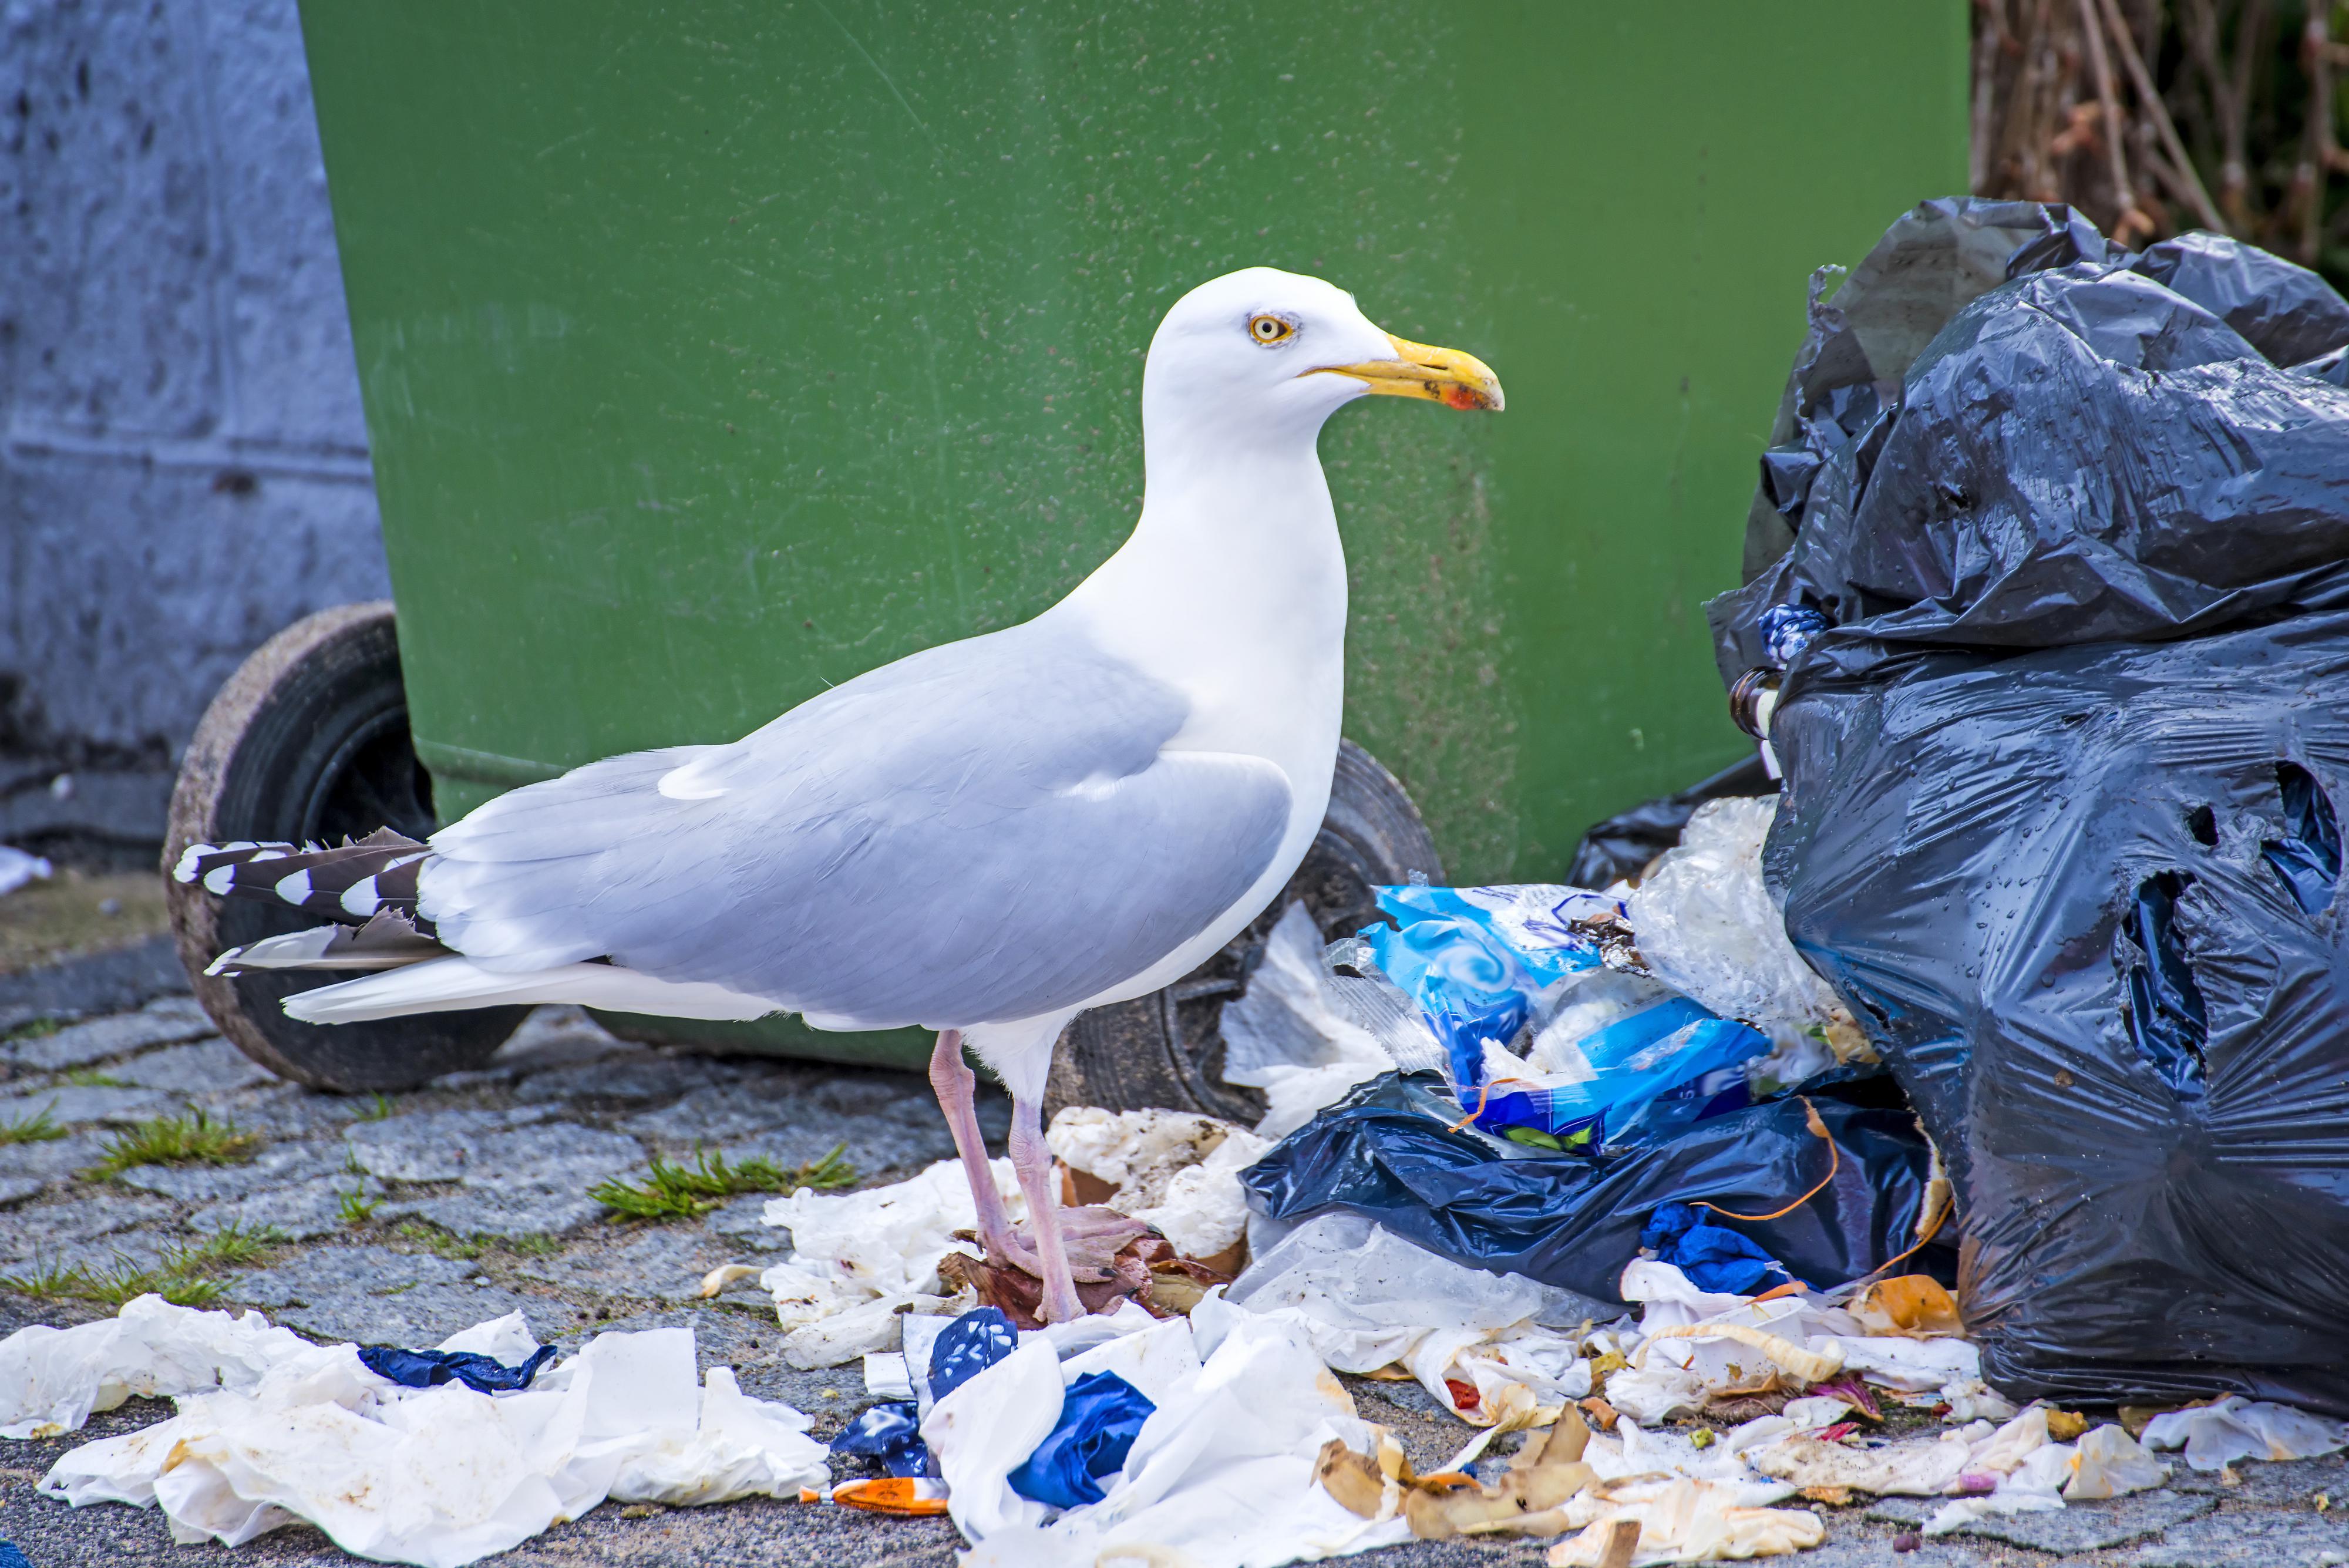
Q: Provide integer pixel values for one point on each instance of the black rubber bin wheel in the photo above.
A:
(308, 741)
(1163, 1049)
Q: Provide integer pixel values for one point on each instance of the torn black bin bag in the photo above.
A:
(1574, 1219)
(1624, 844)
(2088, 451)
(2084, 901)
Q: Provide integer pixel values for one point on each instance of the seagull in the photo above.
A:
(984, 838)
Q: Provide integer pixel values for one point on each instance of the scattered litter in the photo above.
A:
(1565, 1220)
(2235, 1428)
(1713, 1257)
(966, 1347)
(19, 867)
(725, 1274)
(53, 1379)
(889, 1433)
(1100, 1414)
(861, 1260)
(909, 1497)
(431, 1368)
(2110, 1464)
(1177, 1173)
(1709, 929)
(439, 1475)
(1293, 1034)
(1364, 1298)
(1682, 1521)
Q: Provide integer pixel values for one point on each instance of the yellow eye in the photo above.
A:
(1270, 329)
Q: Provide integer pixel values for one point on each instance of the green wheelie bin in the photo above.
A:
(714, 352)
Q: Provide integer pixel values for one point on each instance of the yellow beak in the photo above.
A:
(1417, 370)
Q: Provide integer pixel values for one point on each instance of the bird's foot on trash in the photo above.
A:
(1091, 1239)
(1031, 1162)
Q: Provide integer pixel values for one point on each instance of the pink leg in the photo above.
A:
(955, 1083)
(1033, 1162)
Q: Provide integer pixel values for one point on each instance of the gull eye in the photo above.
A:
(1271, 329)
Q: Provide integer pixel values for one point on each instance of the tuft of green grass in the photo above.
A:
(675, 1191)
(447, 1244)
(380, 1109)
(191, 1139)
(91, 1078)
(51, 1280)
(355, 1207)
(184, 1275)
(40, 1127)
(39, 1029)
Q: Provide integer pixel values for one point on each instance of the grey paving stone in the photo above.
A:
(559, 1157)
(663, 1264)
(2249, 1538)
(2291, 1482)
(2092, 1526)
(514, 1212)
(69, 1105)
(1908, 1511)
(16, 1189)
(290, 1111)
(375, 1295)
(870, 1145)
(302, 1211)
(636, 1077)
(36, 1228)
(1848, 1548)
(276, 1165)
(52, 1159)
(199, 1067)
(161, 1022)
(431, 1146)
(742, 1224)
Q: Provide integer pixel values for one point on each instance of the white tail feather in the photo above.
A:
(448, 984)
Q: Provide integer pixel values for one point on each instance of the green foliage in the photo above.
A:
(380, 1108)
(193, 1138)
(355, 1207)
(91, 1078)
(40, 1127)
(674, 1191)
(184, 1275)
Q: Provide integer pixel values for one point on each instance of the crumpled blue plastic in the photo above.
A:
(1472, 982)
(431, 1368)
(1787, 630)
(1656, 1071)
(1101, 1416)
(1713, 1257)
(969, 1347)
(889, 1432)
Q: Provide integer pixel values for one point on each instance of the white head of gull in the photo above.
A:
(984, 838)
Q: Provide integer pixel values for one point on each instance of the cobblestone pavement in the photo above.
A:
(471, 1201)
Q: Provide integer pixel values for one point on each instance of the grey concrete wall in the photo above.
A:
(183, 462)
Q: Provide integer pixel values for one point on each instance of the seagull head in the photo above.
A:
(1262, 353)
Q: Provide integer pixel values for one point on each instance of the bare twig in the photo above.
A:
(2130, 219)
(2187, 183)
(2318, 154)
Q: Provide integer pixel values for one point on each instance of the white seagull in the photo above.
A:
(984, 838)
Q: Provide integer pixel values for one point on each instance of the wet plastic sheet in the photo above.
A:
(1100, 1414)
(431, 1368)
(1575, 1221)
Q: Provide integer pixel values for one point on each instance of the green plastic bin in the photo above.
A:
(714, 353)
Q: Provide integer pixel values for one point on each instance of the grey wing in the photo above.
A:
(984, 832)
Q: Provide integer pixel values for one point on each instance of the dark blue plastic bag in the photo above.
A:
(1713, 1257)
(969, 1347)
(890, 1433)
(1100, 1417)
(431, 1368)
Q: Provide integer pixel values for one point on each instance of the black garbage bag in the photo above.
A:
(2063, 739)
(1624, 844)
(1574, 1220)
(2083, 900)
(2080, 453)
